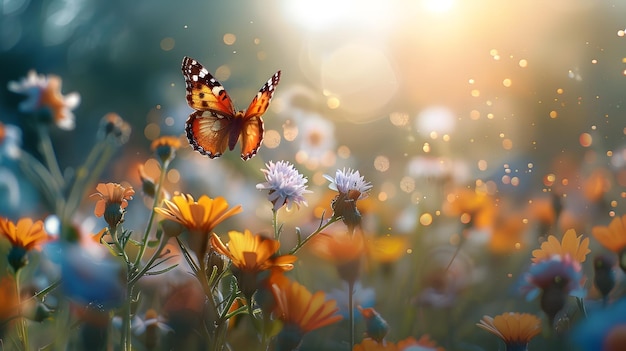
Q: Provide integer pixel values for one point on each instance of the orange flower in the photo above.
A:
(251, 255)
(113, 202)
(165, 147)
(424, 343)
(25, 234)
(508, 234)
(477, 206)
(572, 245)
(8, 307)
(343, 250)
(200, 216)
(613, 236)
(512, 327)
(45, 92)
(300, 310)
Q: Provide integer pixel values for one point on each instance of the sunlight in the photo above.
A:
(323, 14)
(438, 6)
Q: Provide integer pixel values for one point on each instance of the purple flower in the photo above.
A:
(285, 184)
(554, 279)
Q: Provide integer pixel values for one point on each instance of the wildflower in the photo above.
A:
(301, 312)
(375, 326)
(24, 236)
(604, 276)
(200, 216)
(361, 296)
(409, 344)
(343, 250)
(113, 202)
(251, 255)
(554, 279)
(147, 184)
(45, 93)
(317, 139)
(351, 187)
(515, 329)
(572, 245)
(285, 184)
(508, 234)
(475, 208)
(386, 249)
(165, 148)
(114, 128)
(613, 237)
(8, 296)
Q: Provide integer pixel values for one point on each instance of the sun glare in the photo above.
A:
(438, 6)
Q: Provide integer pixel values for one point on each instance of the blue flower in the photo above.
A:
(285, 184)
(601, 330)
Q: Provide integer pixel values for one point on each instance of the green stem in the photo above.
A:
(47, 151)
(155, 202)
(22, 329)
(351, 312)
(126, 336)
(275, 224)
(134, 278)
(317, 231)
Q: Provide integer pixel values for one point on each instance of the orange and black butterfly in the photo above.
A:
(215, 124)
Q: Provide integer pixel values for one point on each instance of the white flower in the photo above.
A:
(45, 92)
(285, 184)
(347, 181)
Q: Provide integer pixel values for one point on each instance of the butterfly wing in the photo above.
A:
(208, 132)
(204, 92)
(252, 128)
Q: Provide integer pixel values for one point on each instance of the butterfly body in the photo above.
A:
(216, 125)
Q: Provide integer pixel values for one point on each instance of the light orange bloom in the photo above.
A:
(512, 327)
(479, 206)
(342, 250)
(338, 248)
(298, 307)
(8, 307)
(252, 253)
(613, 236)
(25, 234)
(45, 92)
(165, 147)
(197, 216)
(574, 246)
(508, 234)
(112, 194)
(424, 343)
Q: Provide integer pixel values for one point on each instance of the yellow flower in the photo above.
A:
(613, 236)
(474, 207)
(200, 216)
(512, 327)
(386, 249)
(300, 311)
(113, 202)
(26, 234)
(572, 245)
(250, 255)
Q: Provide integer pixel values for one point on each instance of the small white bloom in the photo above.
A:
(285, 184)
(349, 180)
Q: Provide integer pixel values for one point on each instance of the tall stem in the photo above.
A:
(317, 231)
(351, 311)
(22, 330)
(155, 202)
(275, 224)
(47, 152)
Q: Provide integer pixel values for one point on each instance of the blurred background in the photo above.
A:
(523, 100)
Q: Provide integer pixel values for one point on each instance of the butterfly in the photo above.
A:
(216, 125)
